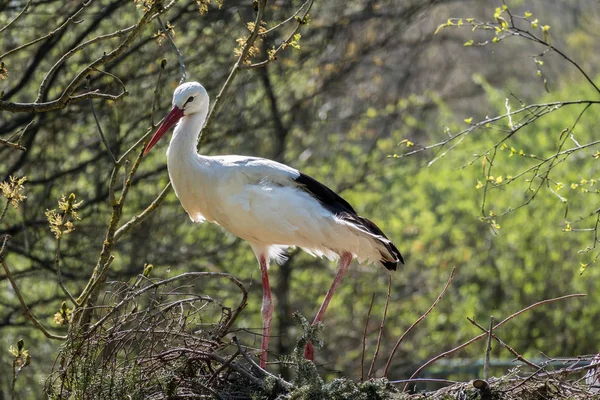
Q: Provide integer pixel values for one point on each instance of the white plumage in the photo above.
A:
(268, 204)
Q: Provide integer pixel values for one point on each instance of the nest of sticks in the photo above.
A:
(168, 339)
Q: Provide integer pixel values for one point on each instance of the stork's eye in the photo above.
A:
(189, 100)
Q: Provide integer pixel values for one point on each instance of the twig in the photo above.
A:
(488, 350)
(534, 38)
(21, 132)
(569, 371)
(187, 275)
(4, 242)
(19, 15)
(222, 360)
(504, 321)
(279, 25)
(67, 95)
(11, 144)
(234, 71)
(59, 273)
(387, 302)
(449, 382)
(26, 310)
(115, 77)
(90, 292)
(163, 64)
(254, 365)
(244, 354)
(138, 219)
(87, 85)
(2, 214)
(547, 107)
(179, 56)
(223, 366)
(364, 341)
(506, 346)
(48, 35)
(235, 366)
(285, 43)
(526, 379)
(539, 303)
(421, 318)
(74, 50)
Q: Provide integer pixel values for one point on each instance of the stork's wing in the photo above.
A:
(327, 197)
(256, 169)
(344, 211)
(260, 171)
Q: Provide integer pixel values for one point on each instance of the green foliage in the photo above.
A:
(346, 389)
(358, 86)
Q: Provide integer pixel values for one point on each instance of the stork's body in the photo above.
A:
(268, 204)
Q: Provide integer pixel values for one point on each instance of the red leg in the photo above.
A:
(266, 310)
(346, 258)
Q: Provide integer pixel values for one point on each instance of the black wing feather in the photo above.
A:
(334, 203)
(327, 197)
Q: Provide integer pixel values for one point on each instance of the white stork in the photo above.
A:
(268, 204)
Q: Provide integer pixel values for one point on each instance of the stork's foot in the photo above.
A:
(309, 351)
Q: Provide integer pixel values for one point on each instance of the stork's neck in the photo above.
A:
(185, 137)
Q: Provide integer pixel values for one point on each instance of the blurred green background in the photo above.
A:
(367, 76)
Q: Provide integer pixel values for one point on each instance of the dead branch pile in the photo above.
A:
(152, 339)
(168, 339)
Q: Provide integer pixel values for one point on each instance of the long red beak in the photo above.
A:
(170, 120)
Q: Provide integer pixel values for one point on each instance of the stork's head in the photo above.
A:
(188, 98)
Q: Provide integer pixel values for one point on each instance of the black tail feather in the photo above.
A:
(370, 227)
(391, 265)
(343, 210)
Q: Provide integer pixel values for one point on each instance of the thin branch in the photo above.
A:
(20, 132)
(67, 95)
(421, 318)
(532, 37)
(59, 273)
(138, 219)
(184, 276)
(256, 367)
(506, 346)
(124, 158)
(449, 382)
(179, 56)
(223, 366)
(26, 311)
(488, 350)
(473, 340)
(287, 41)
(381, 327)
(279, 25)
(546, 107)
(48, 35)
(57, 104)
(11, 144)
(4, 242)
(2, 214)
(163, 64)
(87, 84)
(16, 18)
(364, 341)
(234, 71)
(98, 277)
(74, 50)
